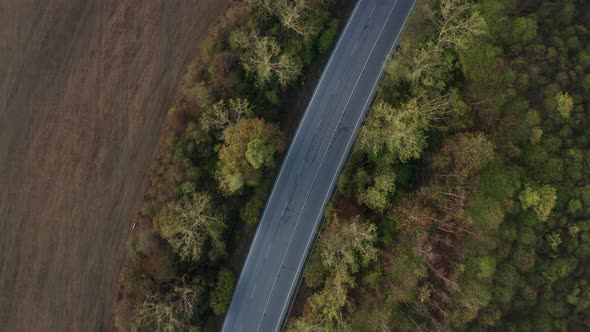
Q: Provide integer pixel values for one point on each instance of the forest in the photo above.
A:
(465, 204)
(220, 147)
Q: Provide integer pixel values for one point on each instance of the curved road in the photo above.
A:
(307, 177)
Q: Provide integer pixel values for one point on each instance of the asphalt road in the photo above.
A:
(294, 211)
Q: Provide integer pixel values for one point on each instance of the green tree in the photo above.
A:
(565, 104)
(222, 293)
(556, 269)
(554, 240)
(586, 79)
(541, 201)
(304, 324)
(328, 36)
(424, 66)
(524, 30)
(463, 154)
(525, 259)
(250, 146)
(529, 198)
(377, 195)
(343, 247)
(480, 63)
(394, 134)
(574, 206)
(548, 199)
(487, 267)
(189, 224)
(344, 243)
(252, 209)
(536, 135)
(260, 153)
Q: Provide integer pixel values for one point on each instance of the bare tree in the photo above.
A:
(224, 113)
(263, 57)
(187, 225)
(293, 14)
(458, 23)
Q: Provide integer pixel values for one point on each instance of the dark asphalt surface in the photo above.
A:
(307, 177)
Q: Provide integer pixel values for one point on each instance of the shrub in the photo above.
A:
(221, 294)
(328, 36)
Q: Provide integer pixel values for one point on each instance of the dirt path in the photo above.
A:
(83, 90)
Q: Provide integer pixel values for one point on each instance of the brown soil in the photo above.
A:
(347, 209)
(83, 90)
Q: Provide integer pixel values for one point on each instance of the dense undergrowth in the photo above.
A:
(211, 177)
(466, 202)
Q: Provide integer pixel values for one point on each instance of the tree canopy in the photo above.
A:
(250, 146)
(189, 225)
(263, 57)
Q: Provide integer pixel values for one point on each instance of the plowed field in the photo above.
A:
(84, 87)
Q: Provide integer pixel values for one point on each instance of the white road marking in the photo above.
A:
(301, 167)
(351, 139)
(337, 84)
(321, 163)
(306, 112)
(253, 289)
(298, 132)
(354, 49)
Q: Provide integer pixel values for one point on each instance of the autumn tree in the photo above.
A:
(426, 64)
(458, 23)
(264, 58)
(296, 15)
(250, 146)
(168, 312)
(346, 243)
(415, 212)
(423, 66)
(343, 247)
(393, 133)
(223, 113)
(148, 251)
(490, 246)
(189, 225)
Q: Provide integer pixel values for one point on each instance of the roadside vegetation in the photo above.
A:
(466, 202)
(216, 162)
